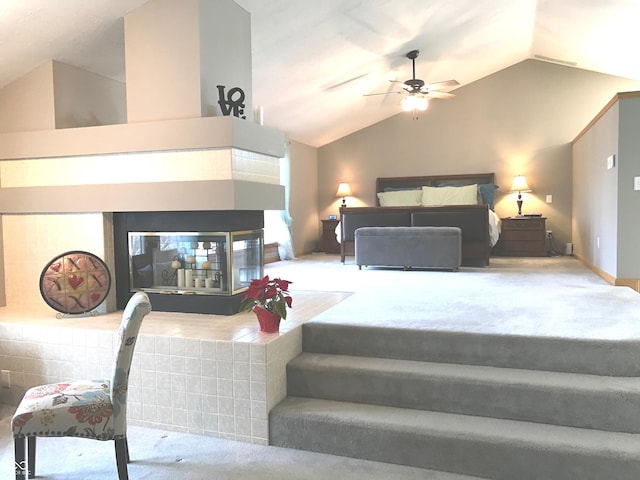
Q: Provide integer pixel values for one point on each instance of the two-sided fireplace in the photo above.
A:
(193, 262)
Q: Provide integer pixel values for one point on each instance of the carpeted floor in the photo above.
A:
(544, 296)
(551, 296)
(162, 455)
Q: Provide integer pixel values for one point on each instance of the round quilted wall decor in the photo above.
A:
(75, 282)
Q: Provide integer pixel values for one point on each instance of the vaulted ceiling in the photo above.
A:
(314, 60)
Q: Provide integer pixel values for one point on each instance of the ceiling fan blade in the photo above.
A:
(441, 85)
(381, 93)
(416, 87)
(439, 94)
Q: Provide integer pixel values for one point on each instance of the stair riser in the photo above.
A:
(551, 405)
(482, 457)
(597, 357)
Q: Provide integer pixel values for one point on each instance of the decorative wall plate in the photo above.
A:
(75, 282)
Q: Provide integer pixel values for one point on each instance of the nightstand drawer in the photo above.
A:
(536, 248)
(523, 224)
(524, 236)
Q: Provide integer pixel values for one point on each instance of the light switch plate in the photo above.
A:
(611, 162)
(636, 183)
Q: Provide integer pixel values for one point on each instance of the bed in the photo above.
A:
(464, 201)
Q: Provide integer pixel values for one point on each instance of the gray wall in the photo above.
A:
(628, 198)
(520, 120)
(595, 202)
(605, 212)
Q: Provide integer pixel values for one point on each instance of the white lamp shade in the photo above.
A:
(343, 190)
(520, 184)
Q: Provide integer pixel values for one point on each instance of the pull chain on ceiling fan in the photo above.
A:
(417, 93)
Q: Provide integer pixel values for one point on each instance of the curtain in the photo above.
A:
(277, 224)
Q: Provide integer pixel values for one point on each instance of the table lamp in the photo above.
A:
(343, 191)
(520, 185)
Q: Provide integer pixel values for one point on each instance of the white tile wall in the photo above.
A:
(255, 167)
(32, 241)
(210, 387)
(181, 165)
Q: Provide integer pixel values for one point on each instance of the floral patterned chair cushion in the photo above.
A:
(74, 409)
(93, 409)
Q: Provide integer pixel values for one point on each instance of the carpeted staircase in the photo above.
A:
(484, 405)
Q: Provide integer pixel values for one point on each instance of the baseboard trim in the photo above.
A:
(633, 283)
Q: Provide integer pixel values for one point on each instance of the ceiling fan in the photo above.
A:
(416, 91)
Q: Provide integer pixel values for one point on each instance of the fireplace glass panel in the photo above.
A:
(195, 263)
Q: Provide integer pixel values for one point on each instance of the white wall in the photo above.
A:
(178, 51)
(56, 95)
(84, 99)
(162, 57)
(27, 104)
(304, 198)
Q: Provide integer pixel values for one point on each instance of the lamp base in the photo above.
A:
(519, 202)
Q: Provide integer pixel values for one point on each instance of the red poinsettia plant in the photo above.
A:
(271, 294)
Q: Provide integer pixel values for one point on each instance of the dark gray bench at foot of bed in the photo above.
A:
(420, 247)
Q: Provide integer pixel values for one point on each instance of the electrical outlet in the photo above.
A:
(549, 198)
(549, 232)
(636, 183)
(5, 379)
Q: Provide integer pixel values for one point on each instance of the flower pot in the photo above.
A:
(269, 321)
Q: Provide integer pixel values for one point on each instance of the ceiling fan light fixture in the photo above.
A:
(416, 94)
(412, 103)
(407, 103)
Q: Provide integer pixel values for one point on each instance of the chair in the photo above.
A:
(94, 409)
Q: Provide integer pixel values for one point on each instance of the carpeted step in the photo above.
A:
(577, 400)
(480, 446)
(577, 355)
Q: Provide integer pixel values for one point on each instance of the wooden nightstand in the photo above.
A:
(523, 236)
(329, 242)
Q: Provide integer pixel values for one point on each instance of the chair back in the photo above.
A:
(135, 310)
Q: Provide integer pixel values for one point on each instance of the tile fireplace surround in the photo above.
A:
(204, 374)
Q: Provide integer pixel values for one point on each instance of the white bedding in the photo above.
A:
(494, 228)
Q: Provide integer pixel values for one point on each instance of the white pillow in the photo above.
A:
(401, 198)
(466, 195)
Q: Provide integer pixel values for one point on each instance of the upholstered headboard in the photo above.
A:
(384, 184)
